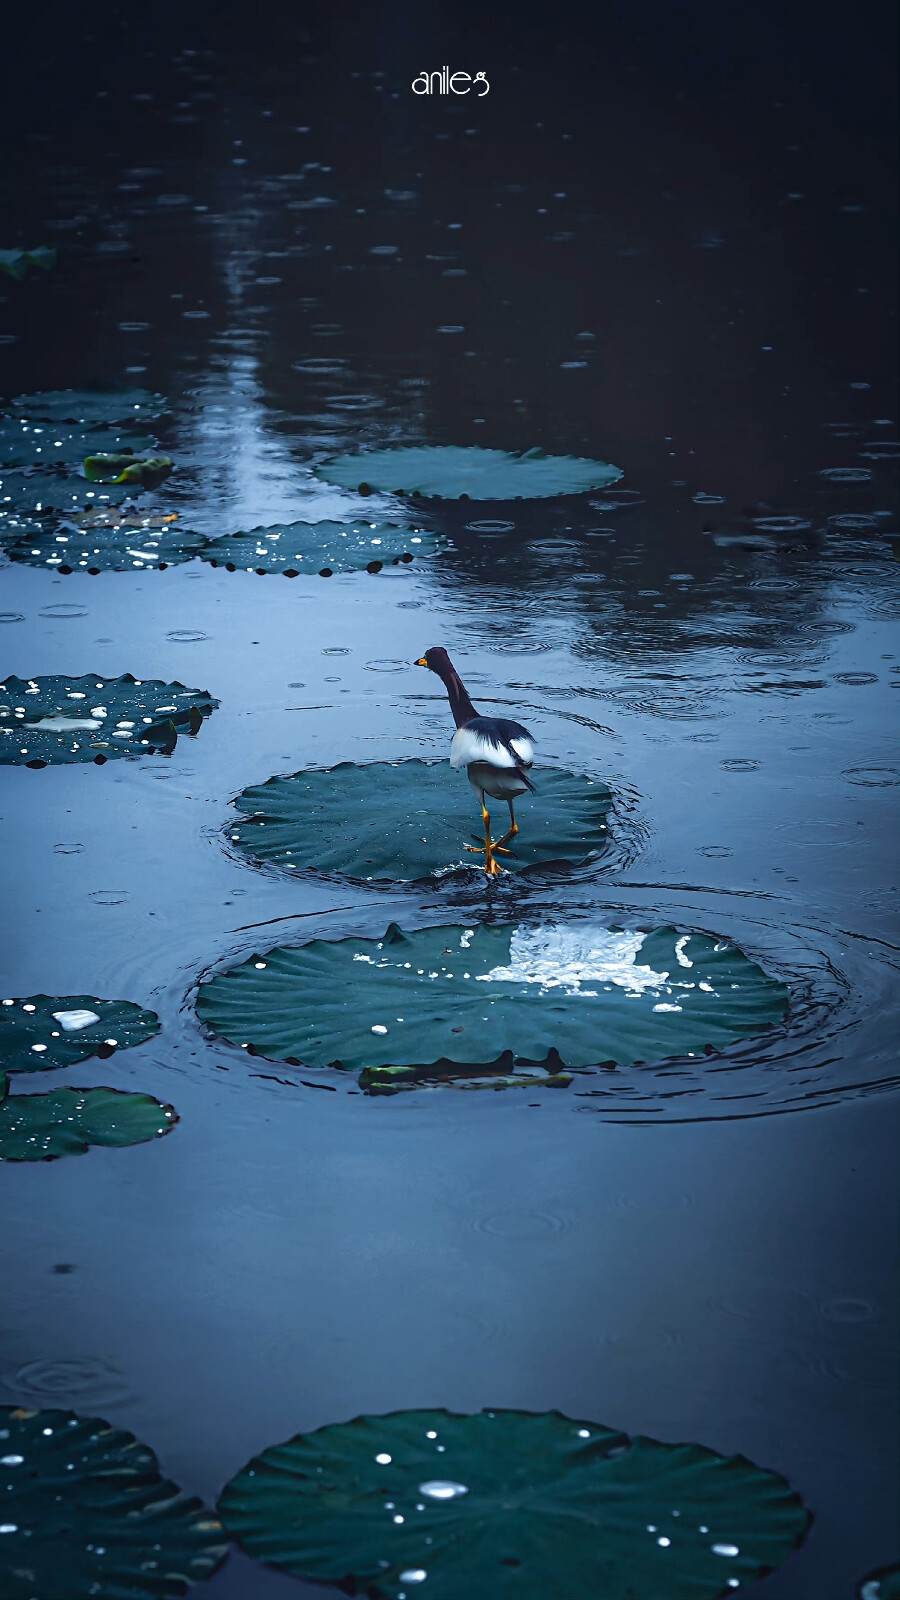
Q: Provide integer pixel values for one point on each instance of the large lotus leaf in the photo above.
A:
(86, 1511)
(881, 1585)
(35, 500)
(510, 1505)
(122, 407)
(306, 547)
(66, 1122)
(17, 262)
(449, 471)
(48, 1031)
(468, 995)
(105, 541)
(52, 720)
(24, 443)
(410, 819)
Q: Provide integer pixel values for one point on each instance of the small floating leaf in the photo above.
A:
(66, 1122)
(126, 467)
(17, 262)
(448, 471)
(86, 1511)
(307, 547)
(468, 995)
(60, 719)
(411, 819)
(510, 1505)
(47, 1031)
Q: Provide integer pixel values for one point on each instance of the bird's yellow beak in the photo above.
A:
(421, 662)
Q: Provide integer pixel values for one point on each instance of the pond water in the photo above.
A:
(306, 260)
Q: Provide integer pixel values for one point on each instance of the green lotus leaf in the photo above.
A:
(66, 1122)
(578, 992)
(122, 407)
(86, 1511)
(307, 547)
(411, 819)
(510, 1505)
(127, 467)
(38, 500)
(449, 471)
(881, 1585)
(16, 262)
(104, 541)
(51, 720)
(391, 1080)
(46, 1031)
(25, 443)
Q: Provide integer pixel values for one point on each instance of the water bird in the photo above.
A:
(496, 752)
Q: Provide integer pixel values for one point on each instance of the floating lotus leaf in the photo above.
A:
(410, 819)
(469, 995)
(47, 1031)
(25, 443)
(391, 1080)
(89, 1513)
(66, 1122)
(510, 1505)
(104, 541)
(17, 262)
(122, 407)
(306, 547)
(52, 720)
(449, 471)
(36, 500)
(125, 466)
(881, 1585)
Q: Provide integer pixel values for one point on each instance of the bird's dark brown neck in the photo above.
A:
(460, 704)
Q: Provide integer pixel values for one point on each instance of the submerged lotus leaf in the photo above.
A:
(24, 443)
(86, 1511)
(510, 1505)
(122, 407)
(16, 262)
(125, 466)
(410, 819)
(57, 719)
(46, 1031)
(308, 547)
(66, 1122)
(105, 541)
(448, 471)
(469, 995)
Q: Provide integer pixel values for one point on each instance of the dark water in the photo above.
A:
(668, 249)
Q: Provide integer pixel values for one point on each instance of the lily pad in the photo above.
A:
(326, 547)
(510, 1505)
(66, 1122)
(452, 471)
(125, 466)
(881, 1585)
(16, 262)
(581, 993)
(122, 407)
(51, 720)
(48, 1031)
(410, 819)
(26, 443)
(86, 1511)
(104, 541)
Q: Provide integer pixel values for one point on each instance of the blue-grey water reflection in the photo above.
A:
(306, 263)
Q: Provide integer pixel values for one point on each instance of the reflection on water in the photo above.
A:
(305, 266)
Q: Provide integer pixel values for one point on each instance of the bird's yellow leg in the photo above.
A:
(492, 868)
(513, 830)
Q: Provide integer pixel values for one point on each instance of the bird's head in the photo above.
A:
(436, 659)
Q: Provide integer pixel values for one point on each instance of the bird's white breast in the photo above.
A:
(468, 745)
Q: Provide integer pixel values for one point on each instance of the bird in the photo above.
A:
(496, 752)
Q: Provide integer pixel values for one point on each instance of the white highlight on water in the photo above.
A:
(565, 958)
(442, 1489)
(71, 1021)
